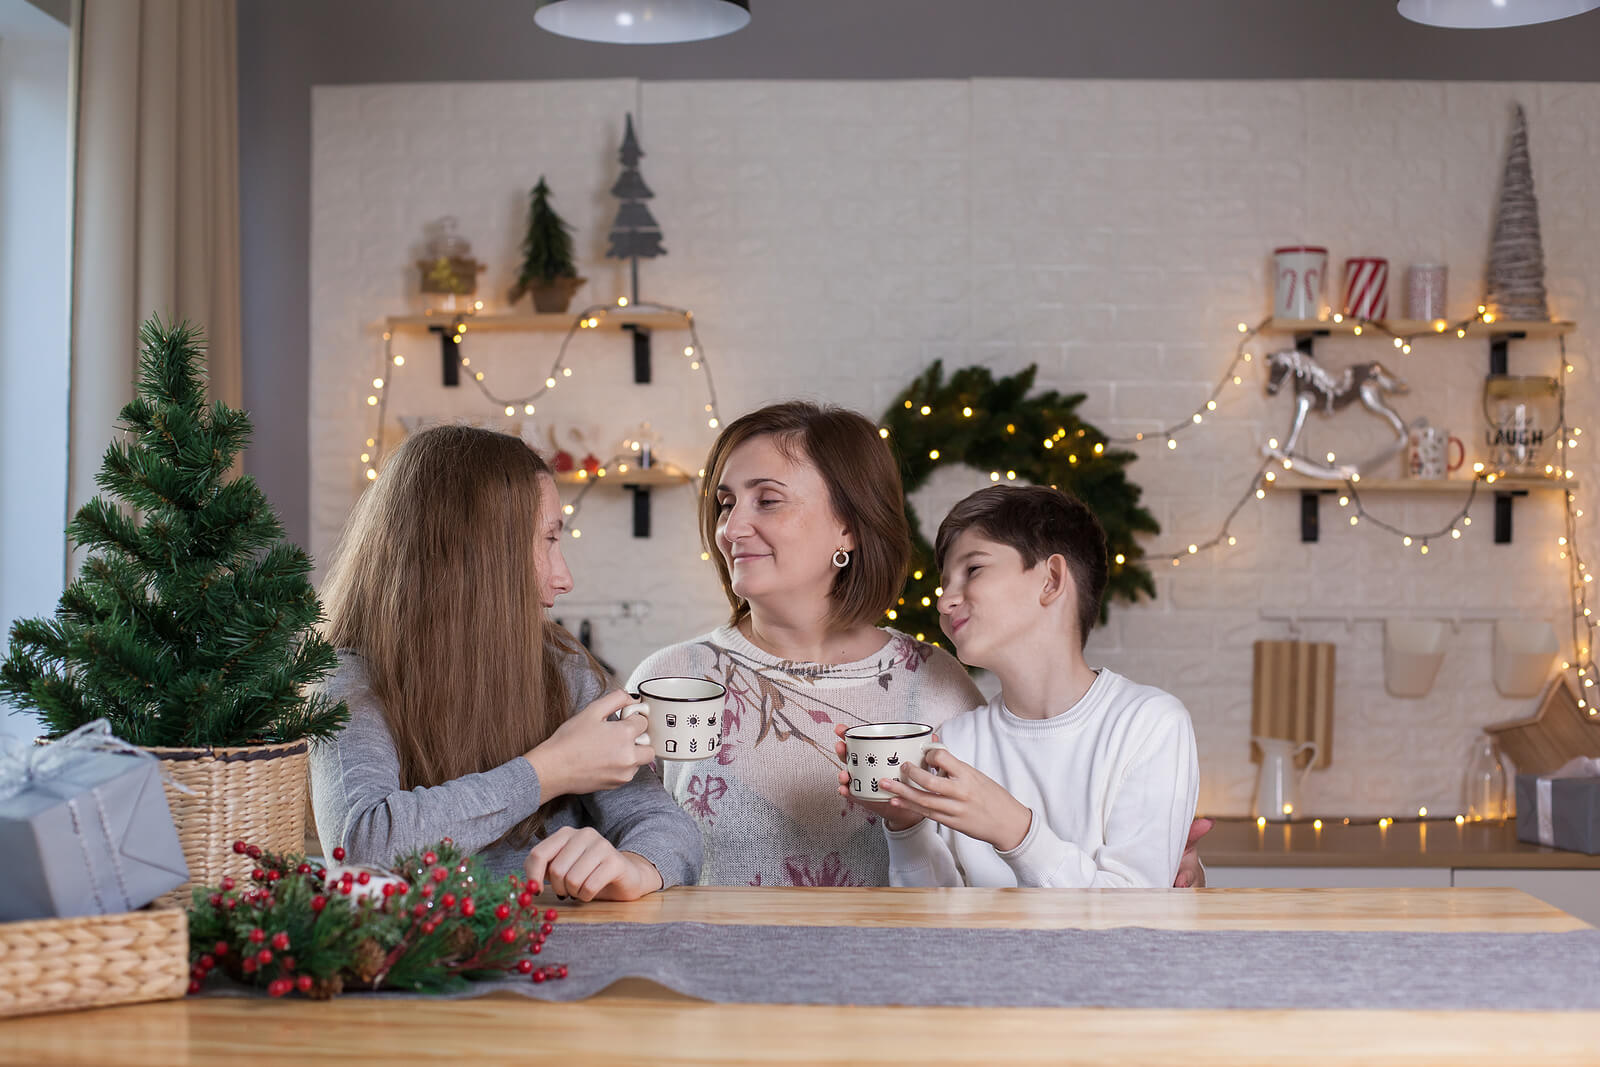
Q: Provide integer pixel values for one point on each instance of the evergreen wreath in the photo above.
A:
(993, 425)
(193, 620)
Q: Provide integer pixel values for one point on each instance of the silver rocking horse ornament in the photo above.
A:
(1316, 389)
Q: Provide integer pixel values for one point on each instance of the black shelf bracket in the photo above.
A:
(1311, 514)
(641, 352)
(1306, 342)
(1499, 348)
(449, 352)
(1502, 514)
(641, 509)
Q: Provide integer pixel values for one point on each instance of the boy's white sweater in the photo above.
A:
(1111, 781)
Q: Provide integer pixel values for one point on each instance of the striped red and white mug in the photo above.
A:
(1366, 287)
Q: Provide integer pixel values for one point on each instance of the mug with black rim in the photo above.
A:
(685, 716)
(876, 751)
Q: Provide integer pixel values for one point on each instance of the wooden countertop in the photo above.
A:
(638, 1022)
(1428, 843)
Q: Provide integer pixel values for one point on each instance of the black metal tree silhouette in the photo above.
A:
(635, 232)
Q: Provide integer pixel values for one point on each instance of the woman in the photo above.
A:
(804, 516)
(472, 715)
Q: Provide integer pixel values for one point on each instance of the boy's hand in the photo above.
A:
(894, 820)
(962, 798)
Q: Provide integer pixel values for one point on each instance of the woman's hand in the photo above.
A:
(589, 752)
(582, 864)
(892, 819)
(962, 798)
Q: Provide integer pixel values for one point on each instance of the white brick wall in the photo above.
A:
(833, 238)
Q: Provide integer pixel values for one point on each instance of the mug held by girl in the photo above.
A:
(685, 717)
(880, 750)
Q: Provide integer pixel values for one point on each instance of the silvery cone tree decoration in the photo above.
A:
(1515, 284)
(1317, 390)
(635, 233)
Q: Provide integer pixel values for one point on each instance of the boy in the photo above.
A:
(1070, 777)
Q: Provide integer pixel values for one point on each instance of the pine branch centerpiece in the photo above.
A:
(435, 924)
(191, 626)
(548, 269)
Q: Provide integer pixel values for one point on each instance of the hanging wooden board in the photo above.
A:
(1291, 696)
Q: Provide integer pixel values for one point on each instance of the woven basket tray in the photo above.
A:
(256, 794)
(93, 961)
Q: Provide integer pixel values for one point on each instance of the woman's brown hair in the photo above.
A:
(864, 487)
(434, 585)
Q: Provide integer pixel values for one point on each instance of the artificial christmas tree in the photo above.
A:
(548, 270)
(191, 627)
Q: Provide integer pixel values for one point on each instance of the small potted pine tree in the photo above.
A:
(548, 270)
(192, 624)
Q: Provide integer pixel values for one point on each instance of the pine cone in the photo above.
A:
(326, 988)
(462, 942)
(366, 963)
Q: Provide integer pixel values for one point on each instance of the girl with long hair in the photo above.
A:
(473, 715)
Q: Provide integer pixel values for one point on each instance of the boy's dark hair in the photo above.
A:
(1038, 523)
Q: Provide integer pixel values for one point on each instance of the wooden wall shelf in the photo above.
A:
(1417, 328)
(1502, 490)
(635, 479)
(614, 318)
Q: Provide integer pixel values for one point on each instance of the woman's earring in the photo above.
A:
(841, 558)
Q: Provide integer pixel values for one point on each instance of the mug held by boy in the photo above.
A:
(875, 752)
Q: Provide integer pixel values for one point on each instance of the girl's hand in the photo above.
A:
(894, 820)
(962, 798)
(583, 864)
(590, 752)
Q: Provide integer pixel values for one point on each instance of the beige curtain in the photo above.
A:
(156, 204)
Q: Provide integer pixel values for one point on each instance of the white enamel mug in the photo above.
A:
(879, 750)
(685, 717)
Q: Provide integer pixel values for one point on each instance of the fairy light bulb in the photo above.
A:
(1244, 327)
(1121, 559)
(527, 409)
(622, 301)
(883, 431)
(566, 372)
(549, 383)
(510, 410)
(399, 361)
(1172, 445)
(371, 474)
(372, 401)
(366, 457)
(377, 383)
(967, 412)
(688, 350)
(933, 453)
(566, 509)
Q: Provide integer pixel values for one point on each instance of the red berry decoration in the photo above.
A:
(303, 983)
(304, 868)
(561, 971)
(273, 876)
(524, 898)
(215, 899)
(194, 985)
(264, 956)
(440, 874)
(468, 908)
(550, 915)
(535, 888)
(280, 940)
(448, 900)
(248, 965)
(430, 858)
(220, 948)
(288, 963)
(208, 961)
(525, 966)
(420, 910)
(502, 911)
(253, 851)
(344, 887)
(338, 854)
(239, 847)
(538, 976)
(388, 888)
(536, 948)
(319, 902)
(364, 877)
(258, 935)
(509, 934)
(257, 874)
(278, 987)
(226, 884)
(546, 928)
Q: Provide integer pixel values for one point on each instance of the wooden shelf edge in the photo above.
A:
(1299, 483)
(652, 477)
(560, 322)
(1419, 328)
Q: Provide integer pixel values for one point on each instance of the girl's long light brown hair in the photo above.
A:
(435, 586)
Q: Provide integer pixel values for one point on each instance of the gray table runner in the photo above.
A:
(1128, 967)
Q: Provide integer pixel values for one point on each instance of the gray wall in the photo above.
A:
(287, 46)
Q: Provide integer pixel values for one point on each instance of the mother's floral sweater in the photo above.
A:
(767, 805)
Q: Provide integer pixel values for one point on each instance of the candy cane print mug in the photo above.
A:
(879, 750)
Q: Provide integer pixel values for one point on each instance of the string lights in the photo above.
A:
(590, 318)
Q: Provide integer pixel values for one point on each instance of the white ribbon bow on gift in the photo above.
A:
(22, 764)
(1577, 767)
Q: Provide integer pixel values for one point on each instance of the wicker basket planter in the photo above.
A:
(93, 961)
(256, 793)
